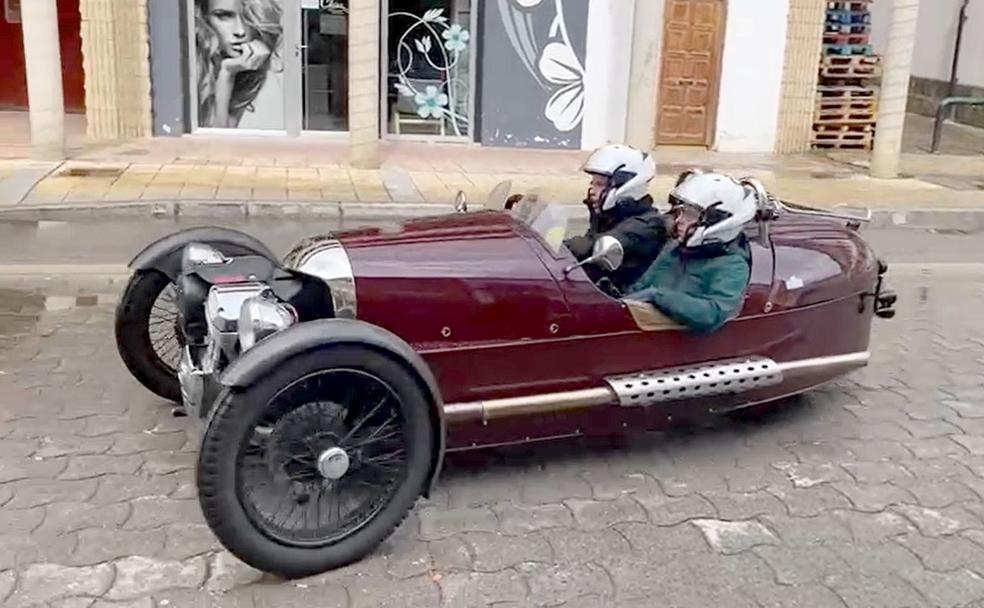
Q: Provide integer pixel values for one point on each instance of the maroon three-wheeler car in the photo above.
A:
(331, 383)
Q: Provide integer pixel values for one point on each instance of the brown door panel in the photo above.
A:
(693, 33)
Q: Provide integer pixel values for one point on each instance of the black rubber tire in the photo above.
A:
(233, 417)
(133, 335)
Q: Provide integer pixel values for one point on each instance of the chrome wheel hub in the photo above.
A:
(333, 463)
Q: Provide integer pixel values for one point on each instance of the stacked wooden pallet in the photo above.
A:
(849, 73)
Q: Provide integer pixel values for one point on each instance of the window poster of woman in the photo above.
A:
(240, 70)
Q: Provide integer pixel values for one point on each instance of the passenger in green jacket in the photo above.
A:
(699, 280)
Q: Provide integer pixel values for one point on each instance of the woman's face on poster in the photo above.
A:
(226, 17)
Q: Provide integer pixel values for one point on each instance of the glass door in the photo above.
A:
(324, 65)
(429, 69)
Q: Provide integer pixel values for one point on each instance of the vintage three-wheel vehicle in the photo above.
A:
(332, 382)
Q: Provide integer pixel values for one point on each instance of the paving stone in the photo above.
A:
(801, 566)
(685, 579)
(800, 596)
(450, 554)
(810, 475)
(22, 549)
(656, 544)
(48, 582)
(73, 602)
(494, 551)
(20, 521)
(875, 592)
(87, 467)
(154, 512)
(945, 554)
(144, 602)
(966, 409)
(973, 444)
(935, 448)
(483, 490)
(948, 590)
(420, 591)
(293, 596)
(873, 498)
(730, 537)
(597, 515)
(521, 519)
(183, 541)
(578, 546)
(938, 469)
(17, 449)
(873, 528)
(441, 523)
(164, 463)
(478, 589)
(867, 450)
(30, 469)
(227, 572)
(937, 494)
(606, 486)
(924, 429)
(122, 488)
(561, 583)
(876, 472)
(808, 531)
(65, 517)
(938, 522)
(99, 545)
(145, 441)
(7, 493)
(8, 580)
(137, 576)
(666, 511)
(809, 502)
(742, 505)
(551, 489)
(30, 493)
(71, 445)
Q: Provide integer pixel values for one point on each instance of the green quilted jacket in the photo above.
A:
(700, 289)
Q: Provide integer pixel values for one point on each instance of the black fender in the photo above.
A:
(272, 351)
(165, 254)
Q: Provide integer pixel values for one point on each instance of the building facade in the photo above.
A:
(729, 75)
(935, 50)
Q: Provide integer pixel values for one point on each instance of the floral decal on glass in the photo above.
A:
(556, 67)
(430, 41)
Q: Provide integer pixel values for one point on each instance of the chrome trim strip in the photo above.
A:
(485, 411)
(325, 258)
(534, 404)
(850, 360)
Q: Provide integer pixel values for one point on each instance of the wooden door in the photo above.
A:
(693, 34)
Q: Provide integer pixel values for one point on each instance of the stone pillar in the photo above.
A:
(42, 62)
(797, 105)
(115, 53)
(364, 61)
(894, 96)
(647, 40)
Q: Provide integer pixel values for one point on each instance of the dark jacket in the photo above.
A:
(700, 288)
(641, 229)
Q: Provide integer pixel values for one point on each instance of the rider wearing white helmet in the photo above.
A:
(619, 205)
(700, 280)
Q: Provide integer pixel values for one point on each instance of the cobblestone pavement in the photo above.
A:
(867, 493)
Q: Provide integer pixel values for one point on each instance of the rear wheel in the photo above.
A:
(147, 334)
(317, 463)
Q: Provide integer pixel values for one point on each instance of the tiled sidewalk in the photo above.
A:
(269, 170)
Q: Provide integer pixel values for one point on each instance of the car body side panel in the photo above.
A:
(495, 317)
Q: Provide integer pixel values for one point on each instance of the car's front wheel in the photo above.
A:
(315, 464)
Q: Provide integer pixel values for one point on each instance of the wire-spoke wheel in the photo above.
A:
(148, 335)
(315, 464)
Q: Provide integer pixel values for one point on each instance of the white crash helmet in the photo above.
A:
(628, 170)
(727, 206)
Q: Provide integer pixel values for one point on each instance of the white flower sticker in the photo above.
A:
(560, 66)
(456, 38)
(431, 102)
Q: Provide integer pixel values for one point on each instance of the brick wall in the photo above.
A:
(115, 51)
(797, 104)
